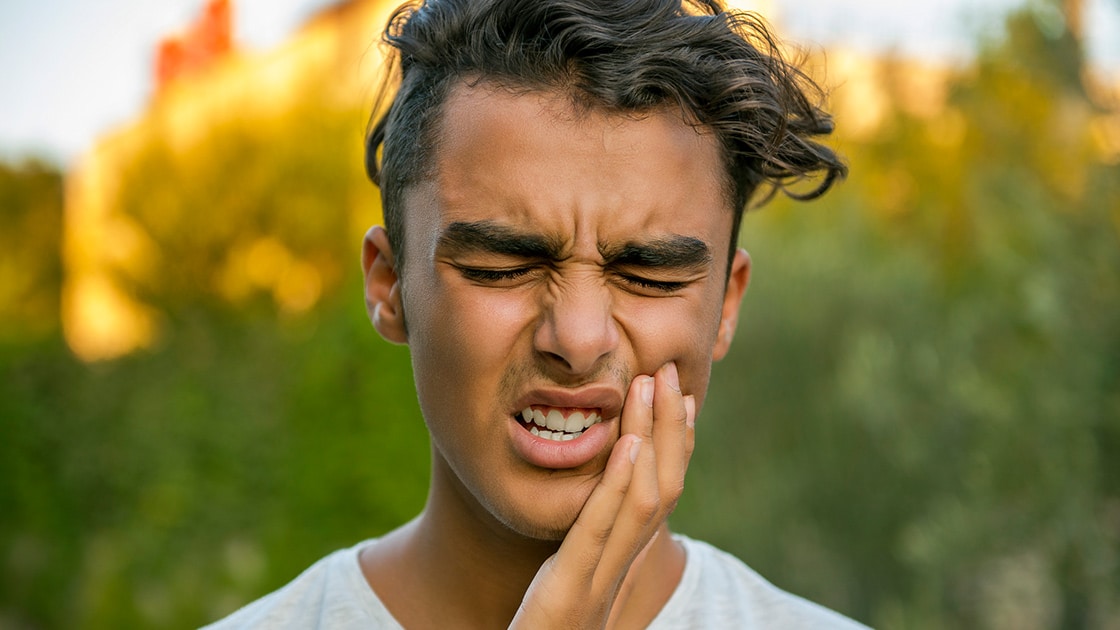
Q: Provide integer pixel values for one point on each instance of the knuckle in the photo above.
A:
(670, 507)
(680, 414)
(671, 491)
(671, 494)
(648, 506)
(588, 557)
(599, 538)
(676, 490)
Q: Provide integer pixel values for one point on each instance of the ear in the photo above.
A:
(738, 278)
(382, 286)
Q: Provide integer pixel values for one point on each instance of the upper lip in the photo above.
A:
(605, 398)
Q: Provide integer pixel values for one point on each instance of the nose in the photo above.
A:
(577, 329)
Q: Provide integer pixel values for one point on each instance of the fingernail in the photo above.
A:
(634, 448)
(672, 376)
(690, 411)
(647, 390)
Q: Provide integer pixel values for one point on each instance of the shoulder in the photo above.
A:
(718, 591)
(332, 593)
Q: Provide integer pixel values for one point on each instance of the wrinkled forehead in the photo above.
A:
(537, 161)
(471, 102)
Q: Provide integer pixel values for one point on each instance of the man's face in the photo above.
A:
(554, 256)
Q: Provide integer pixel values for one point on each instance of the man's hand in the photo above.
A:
(644, 476)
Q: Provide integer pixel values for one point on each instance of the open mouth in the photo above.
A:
(556, 424)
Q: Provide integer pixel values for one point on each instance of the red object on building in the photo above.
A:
(203, 43)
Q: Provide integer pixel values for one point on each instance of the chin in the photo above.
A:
(542, 518)
(545, 532)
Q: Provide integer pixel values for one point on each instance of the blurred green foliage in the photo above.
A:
(919, 424)
(31, 267)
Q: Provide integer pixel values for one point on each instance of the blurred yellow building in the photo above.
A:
(101, 320)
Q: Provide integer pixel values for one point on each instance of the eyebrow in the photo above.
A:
(489, 237)
(670, 252)
(673, 252)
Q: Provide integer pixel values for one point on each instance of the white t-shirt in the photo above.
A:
(716, 591)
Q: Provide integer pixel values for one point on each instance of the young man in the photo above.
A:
(562, 183)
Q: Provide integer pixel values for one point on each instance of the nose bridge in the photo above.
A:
(578, 326)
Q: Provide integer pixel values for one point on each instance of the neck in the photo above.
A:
(456, 553)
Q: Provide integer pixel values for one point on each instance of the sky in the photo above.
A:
(72, 69)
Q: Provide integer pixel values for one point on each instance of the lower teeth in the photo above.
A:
(555, 436)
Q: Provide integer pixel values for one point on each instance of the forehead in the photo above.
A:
(537, 159)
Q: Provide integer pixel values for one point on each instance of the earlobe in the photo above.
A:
(738, 278)
(382, 286)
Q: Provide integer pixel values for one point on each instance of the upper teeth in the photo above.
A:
(558, 427)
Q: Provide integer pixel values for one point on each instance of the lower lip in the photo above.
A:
(549, 454)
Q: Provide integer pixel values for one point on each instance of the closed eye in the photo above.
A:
(484, 275)
(646, 284)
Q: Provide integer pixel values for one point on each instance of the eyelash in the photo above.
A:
(505, 275)
(654, 285)
(493, 275)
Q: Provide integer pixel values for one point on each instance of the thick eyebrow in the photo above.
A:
(674, 252)
(463, 237)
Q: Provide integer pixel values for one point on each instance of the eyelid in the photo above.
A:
(491, 275)
(660, 286)
(513, 275)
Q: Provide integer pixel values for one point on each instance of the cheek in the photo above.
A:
(457, 331)
(672, 330)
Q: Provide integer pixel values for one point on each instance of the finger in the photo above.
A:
(637, 409)
(641, 504)
(659, 473)
(673, 438)
(581, 552)
(569, 576)
(637, 418)
(640, 511)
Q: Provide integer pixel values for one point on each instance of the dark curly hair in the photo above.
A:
(722, 69)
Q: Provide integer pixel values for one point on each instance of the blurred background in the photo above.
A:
(919, 424)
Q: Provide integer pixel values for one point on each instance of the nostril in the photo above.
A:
(557, 360)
